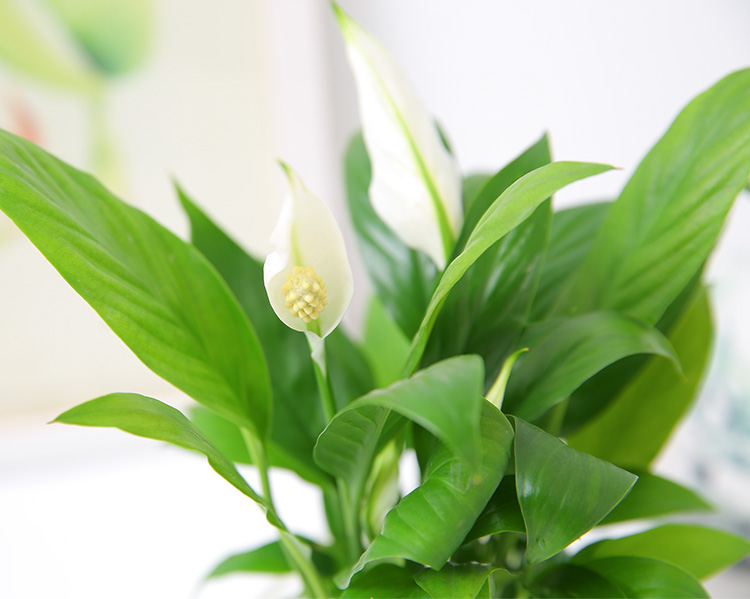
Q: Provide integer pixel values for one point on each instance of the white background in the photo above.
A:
(89, 513)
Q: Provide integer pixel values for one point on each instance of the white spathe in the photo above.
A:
(414, 177)
(307, 235)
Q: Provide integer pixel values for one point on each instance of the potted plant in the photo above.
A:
(535, 361)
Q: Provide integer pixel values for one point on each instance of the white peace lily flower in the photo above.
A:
(416, 184)
(307, 275)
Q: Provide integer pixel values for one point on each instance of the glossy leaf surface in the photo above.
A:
(384, 582)
(630, 432)
(566, 352)
(642, 577)
(156, 292)
(698, 550)
(268, 558)
(653, 496)
(462, 581)
(666, 221)
(563, 493)
(502, 513)
(568, 580)
(150, 418)
(508, 211)
(432, 521)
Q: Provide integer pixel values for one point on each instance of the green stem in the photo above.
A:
(318, 354)
(302, 564)
(350, 509)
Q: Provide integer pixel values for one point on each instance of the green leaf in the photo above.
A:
(502, 514)
(403, 278)
(572, 233)
(431, 522)
(150, 418)
(470, 188)
(492, 186)
(444, 398)
(156, 292)
(655, 496)
(667, 219)
(631, 432)
(384, 345)
(298, 417)
(509, 210)
(487, 309)
(115, 34)
(268, 558)
(641, 577)
(700, 551)
(567, 580)
(563, 493)
(25, 46)
(463, 581)
(224, 435)
(566, 352)
(384, 582)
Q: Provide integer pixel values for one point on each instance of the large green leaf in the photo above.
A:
(508, 211)
(298, 416)
(385, 581)
(568, 351)
(114, 34)
(444, 398)
(403, 278)
(653, 496)
(638, 422)
(462, 581)
(571, 235)
(563, 493)
(567, 580)
(156, 292)
(150, 418)
(487, 309)
(667, 219)
(348, 369)
(268, 558)
(641, 577)
(698, 550)
(25, 47)
(432, 521)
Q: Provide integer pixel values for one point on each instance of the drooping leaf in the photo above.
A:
(431, 522)
(114, 34)
(403, 278)
(502, 513)
(384, 581)
(384, 345)
(150, 418)
(463, 581)
(563, 493)
(571, 235)
(156, 292)
(638, 422)
(653, 496)
(698, 550)
(268, 558)
(597, 393)
(509, 210)
(667, 219)
(566, 352)
(642, 577)
(298, 417)
(487, 309)
(444, 398)
(568, 580)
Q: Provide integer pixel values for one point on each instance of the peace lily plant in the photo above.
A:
(520, 452)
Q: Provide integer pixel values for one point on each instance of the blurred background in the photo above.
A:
(144, 92)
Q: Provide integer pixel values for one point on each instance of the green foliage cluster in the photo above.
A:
(608, 298)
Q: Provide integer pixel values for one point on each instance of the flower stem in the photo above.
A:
(318, 355)
(291, 545)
